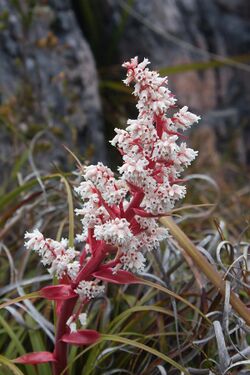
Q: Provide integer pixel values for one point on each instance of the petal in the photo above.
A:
(35, 358)
(81, 337)
(119, 277)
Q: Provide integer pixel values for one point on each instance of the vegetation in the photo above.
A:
(178, 316)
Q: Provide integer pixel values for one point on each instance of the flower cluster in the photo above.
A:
(153, 160)
(115, 232)
(89, 289)
(119, 214)
(57, 255)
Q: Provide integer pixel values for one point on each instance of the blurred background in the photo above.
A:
(60, 83)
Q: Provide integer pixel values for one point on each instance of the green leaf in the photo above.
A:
(38, 345)
(21, 298)
(123, 340)
(204, 65)
(11, 196)
(71, 211)
(19, 163)
(176, 296)
(14, 369)
(18, 344)
(146, 348)
(115, 86)
(124, 315)
(70, 364)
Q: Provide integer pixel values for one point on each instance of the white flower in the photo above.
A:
(81, 237)
(62, 264)
(89, 289)
(115, 232)
(133, 168)
(176, 192)
(98, 174)
(71, 323)
(35, 240)
(184, 118)
(165, 148)
(73, 269)
(133, 261)
(83, 319)
(86, 190)
(185, 155)
(54, 254)
(151, 238)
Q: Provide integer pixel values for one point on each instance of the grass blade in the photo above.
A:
(7, 363)
(21, 298)
(18, 344)
(174, 295)
(71, 211)
(124, 315)
(202, 263)
(146, 348)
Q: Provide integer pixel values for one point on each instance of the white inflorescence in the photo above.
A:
(55, 254)
(149, 182)
(115, 232)
(133, 261)
(152, 161)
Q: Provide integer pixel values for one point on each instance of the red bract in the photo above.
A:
(119, 277)
(57, 292)
(35, 358)
(81, 337)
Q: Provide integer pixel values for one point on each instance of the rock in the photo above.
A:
(48, 81)
(166, 31)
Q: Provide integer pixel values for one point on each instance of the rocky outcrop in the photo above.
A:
(169, 33)
(48, 81)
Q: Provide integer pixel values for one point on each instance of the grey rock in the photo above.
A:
(165, 33)
(48, 77)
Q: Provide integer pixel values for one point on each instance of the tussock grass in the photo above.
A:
(177, 320)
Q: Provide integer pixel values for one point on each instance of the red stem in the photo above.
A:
(98, 256)
(135, 203)
(92, 264)
(60, 351)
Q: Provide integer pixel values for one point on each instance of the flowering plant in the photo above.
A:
(119, 215)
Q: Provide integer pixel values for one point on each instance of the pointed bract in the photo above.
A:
(57, 292)
(117, 277)
(35, 358)
(82, 337)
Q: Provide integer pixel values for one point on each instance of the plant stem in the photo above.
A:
(135, 203)
(60, 351)
(93, 264)
(209, 270)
